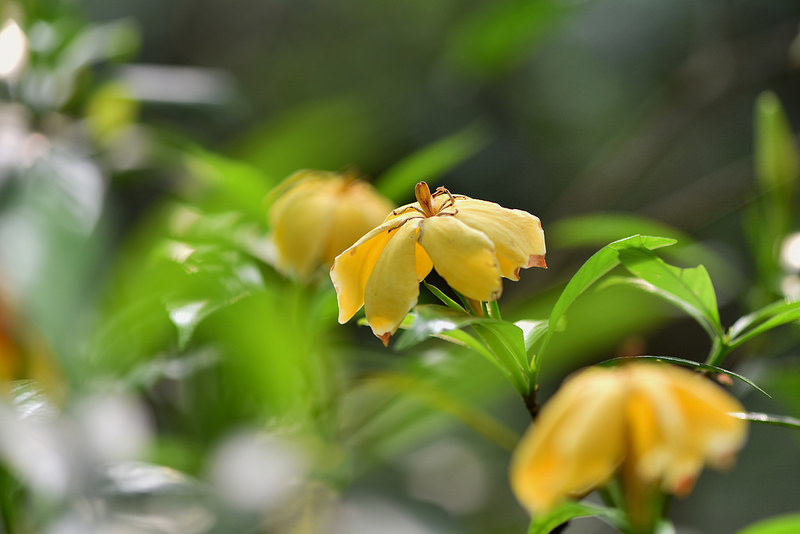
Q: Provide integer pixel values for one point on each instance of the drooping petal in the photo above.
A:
(352, 268)
(679, 421)
(517, 235)
(301, 224)
(575, 445)
(358, 209)
(393, 286)
(463, 256)
(712, 435)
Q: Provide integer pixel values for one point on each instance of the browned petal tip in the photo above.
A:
(684, 486)
(385, 338)
(537, 260)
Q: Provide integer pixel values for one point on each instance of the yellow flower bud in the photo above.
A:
(471, 243)
(654, 424)
(317, 215)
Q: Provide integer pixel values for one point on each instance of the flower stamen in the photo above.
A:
(423, 194)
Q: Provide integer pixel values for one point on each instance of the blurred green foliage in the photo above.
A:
(139, 142)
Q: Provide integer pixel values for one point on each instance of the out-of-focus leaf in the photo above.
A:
(600, 228)
(232, 184)
(777, 420)
(501, 34)
(115, 40)
(688, 363)
(430, 162)
(691, 289)
(782, 524)
(773, 316)
(776, 154)
(545, 523)
(777, 166)
(329, 135)
(223, 277)
(445, 402)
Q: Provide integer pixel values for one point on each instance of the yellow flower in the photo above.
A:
(657, 425)
(472, 243)
(319, 214)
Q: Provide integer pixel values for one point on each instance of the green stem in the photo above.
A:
(719, 350)
(494, 310)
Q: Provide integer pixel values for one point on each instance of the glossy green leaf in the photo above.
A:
(430, 162)
(748, 321)
(545, 523)
(511, 337)
(688, 363)
(598, 265)
(691, 289)
(533, 331)
(501, 342)
(762, 321)
(782, 524)
(447, 301)
(431, 320)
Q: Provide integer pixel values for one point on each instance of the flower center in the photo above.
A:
(425, 199)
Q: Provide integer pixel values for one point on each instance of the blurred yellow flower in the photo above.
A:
(472, 243)
(655, 424)
(317, 215)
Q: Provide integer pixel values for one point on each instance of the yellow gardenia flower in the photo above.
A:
(472, 243)
(319, 214)
(657, 425)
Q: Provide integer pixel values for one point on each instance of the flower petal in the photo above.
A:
(517, 235)
(301, 222)
(352, 268)
(463, 256)
(575, 445)
(359, 209)
(393, 286)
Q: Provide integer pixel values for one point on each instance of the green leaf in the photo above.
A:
(690, 289)
(431, 320)
(447, 301)
(503, 343)
(746, 322)
(441, 400)
(597, 229)
(498, 36)
(511, 337)
(782, 524)
(773, 316)
(533, 331)
(545, 523)
(776, 155)
(598, 265)
(232, 184)
(431, 162)
(689, 363)
(327, 134)
(777, 420)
